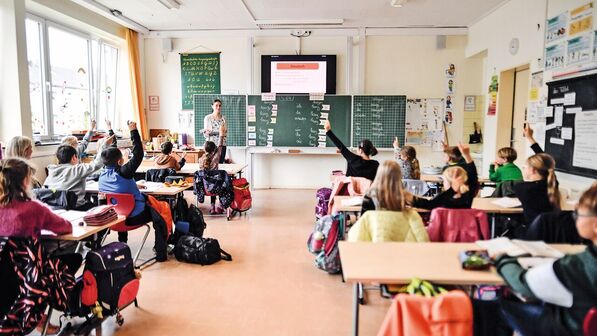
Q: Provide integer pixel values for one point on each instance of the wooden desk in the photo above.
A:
(355, 208)
(438, 179)
(153, 188)
(189, 169)
(80, 232)
(192, 156)
(397, 263)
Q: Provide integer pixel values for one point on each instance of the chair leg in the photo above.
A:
(45, 329)
(142, 244)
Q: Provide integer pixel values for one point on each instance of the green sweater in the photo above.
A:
(577, 273)
(507, 172)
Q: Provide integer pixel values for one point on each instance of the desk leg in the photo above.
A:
(355, 312)
(493, 225)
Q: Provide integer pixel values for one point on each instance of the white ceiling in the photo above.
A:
(232, 14)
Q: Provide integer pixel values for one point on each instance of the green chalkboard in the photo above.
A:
(379, 119)
(233, 109)
(199, 73)
(298, 120)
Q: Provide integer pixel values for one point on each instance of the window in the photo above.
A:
(72, 78)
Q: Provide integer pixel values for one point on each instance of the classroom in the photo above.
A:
(261, 167)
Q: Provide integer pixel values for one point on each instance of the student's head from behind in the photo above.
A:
(71, 141)
(20, 147)
(408, 153)
(455, 178)
(167, 148)
(542, 167)
(366, 148)
(388, 188)
(586, 214)
(66, 154)
(507, 154)
(15, 180)
(452, 154)
(210, 147)
(112, 157)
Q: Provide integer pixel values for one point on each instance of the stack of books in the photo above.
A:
(100, 215)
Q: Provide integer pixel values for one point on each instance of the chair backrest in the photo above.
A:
(505, 189)
(415, 187)
(56, 199)
(123, 203)
(159, 175)
(590, 323)
(458, 225)
(556, 227)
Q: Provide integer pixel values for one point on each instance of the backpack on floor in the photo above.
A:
(323, 200)
(242, 195)
(108, 283)
(197, 250)
(323, 243)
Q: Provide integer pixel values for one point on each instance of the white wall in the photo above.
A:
(383, 74)
(525, 20)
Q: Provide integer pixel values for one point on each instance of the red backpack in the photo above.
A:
(242, 195)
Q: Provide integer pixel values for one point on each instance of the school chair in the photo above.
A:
(590, 323)
(556, 227)
(158, 175)
(415, 187)
(124, 205)
(458, 225)
(505, 189)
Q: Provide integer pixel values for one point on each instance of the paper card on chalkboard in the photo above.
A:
(270, 131)
(322, 138)
(573, 110)
(252, 119)
(252, 143)
(570, 98)
(252, 135)
(250, 109)
(321, 132)
(321, 145)
(270, 144)
(550, 127)
(250, 128)
(274, 107)
(273, 121)
(558, 116)
(549, 111)
(274, 113)
(567, 133)
(324, 115)
(270, 137)
(557, 101)
(557, 141)
(325, 107)
(269, 96)
(316, 96)
(322, 122)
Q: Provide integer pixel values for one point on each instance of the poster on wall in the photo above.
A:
(556, 28)
(450, 86)
(424, 122)
(579, 49)
(451, 71)
(493, 90)
(554, 56)
(536, 84)
(581, 19)
(470, 103)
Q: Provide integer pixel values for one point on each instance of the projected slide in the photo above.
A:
(303, 76)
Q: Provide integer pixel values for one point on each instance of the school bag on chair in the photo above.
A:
(323, 199)
(323, 243)
(197, 250)
(108, 284)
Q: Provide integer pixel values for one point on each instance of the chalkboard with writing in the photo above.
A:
(295, 120)
(233, 110)
(199, 73)
(379, 119)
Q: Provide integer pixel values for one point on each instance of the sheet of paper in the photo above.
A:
(570, 98)
(507, 202)
(501, 245)
(585, 146)
(72, 215)
(558, 116)
(550, 127)
(557, 101)
(353, 201)
(316, 96)
(549, 111)
(573, 110)
(325, 107)
(567, 133)
(557, 141)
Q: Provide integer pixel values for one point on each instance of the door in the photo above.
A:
(521, 93)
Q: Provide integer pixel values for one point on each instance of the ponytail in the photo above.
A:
(416, 169)
(210, 152)
(457, 172)
(552, 189)
(13, 172)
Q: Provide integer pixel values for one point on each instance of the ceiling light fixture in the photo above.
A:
(170, 4)
(298, 23)
(398, 3)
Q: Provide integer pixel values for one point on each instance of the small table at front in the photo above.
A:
(394, 263)
(189, 169)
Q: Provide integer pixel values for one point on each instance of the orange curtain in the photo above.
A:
(136, 89)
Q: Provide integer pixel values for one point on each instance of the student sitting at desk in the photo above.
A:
(22, 147)
(539, 193)
(407, 158)
(211, 160)
(506, 169)
(167, 160)
(119, 178)
(457, 192)
(358, 165)
(22, 217)
(567, 287)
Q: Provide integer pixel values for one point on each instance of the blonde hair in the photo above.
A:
(387, 187)
(411, 156)
(455, 172)
(545, 165)
(70, 140)
(13, 172)
(17, 146)
(589, 199)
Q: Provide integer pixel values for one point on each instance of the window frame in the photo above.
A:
(93, 78)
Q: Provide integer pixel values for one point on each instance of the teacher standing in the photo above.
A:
(211, 127)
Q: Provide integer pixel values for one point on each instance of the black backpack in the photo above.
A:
(197, 250)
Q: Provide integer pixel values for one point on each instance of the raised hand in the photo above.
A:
(132, 125)
(108, 123)
(93, 124)
(327, 126)
(396, 143)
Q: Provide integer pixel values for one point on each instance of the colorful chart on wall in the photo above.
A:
(424, 122)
